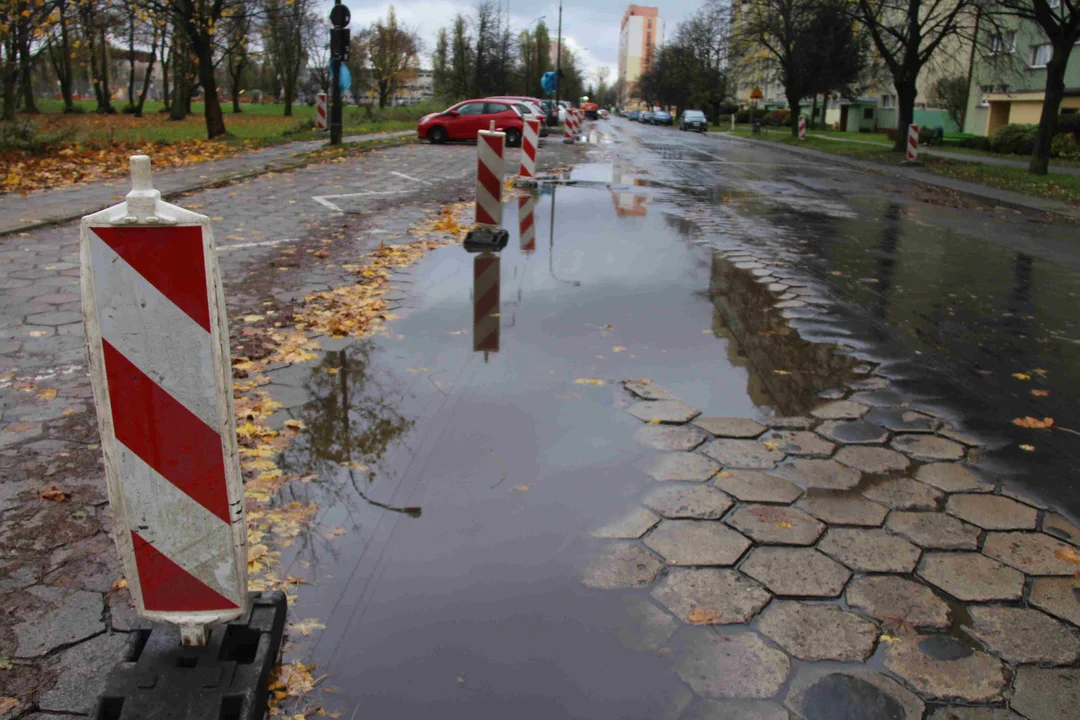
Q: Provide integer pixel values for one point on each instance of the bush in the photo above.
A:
(977, 142)
(776, 118)
(1013, 139)
(1064, 146)
(1069, 124)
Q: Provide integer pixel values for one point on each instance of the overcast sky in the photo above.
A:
(590, 27)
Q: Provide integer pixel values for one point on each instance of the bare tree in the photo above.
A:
(394, 51)
(287, 38)
(238, 26)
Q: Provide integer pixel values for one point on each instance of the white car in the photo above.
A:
(527, 110)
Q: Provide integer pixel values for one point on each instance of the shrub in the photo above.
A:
(1069, 123)
(1013, 139)
(1064, 146)
(776, 118)
(978, 142)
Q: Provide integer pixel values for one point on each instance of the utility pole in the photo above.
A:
(339, 53)
(558, 63)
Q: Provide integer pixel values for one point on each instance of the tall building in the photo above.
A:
(641, 32)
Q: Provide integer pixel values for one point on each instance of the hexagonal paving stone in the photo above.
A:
(791, 423)
(840, 410)
(772, 525)
(845, 510)
(992, 512)
(753, 486)
(940, 667)
(1022, 636)
(934, 530)
(711, 596)
(962, 437)
(1060, 527)
(648, 391)
(928, 447)
(671, 437)
(699, 502)
(742, 454)
(970, 576)
(853, 432)
(872, 460)
(697, 542)
(1032, 553)
(818, 632)
(796, 572)
(820, 474)
(647, 627)
(621, 565)
(880, 398)
(1058, 596)
(666, 411)
(1046, 693)
(830, 693)
(959, 712)
(951, 477)
(905, 494)
(630, 526)
(903, 420)
(798, 442)
(735, 664)
(870, 550)
(730, 427)
(680, 467)
(898, 601)
(736, 710)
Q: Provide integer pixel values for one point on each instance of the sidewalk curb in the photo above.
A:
(1019, 202)
(280, 165)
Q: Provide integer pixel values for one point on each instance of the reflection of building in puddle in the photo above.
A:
(627, 203)
(785, 371)
(486, 316)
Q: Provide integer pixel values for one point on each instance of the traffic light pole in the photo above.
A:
(339, 52)
(558, 64)
(335, 101)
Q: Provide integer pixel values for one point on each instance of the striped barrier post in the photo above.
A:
(913, 143)
(489, 176)
(529, 140)
(579, 122)
(527, 223)
(158, 344)
(486, 303)
(320, 111)
(568, 125)
(802, 127)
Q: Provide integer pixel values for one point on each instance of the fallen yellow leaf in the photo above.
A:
(1028, 448)
(588, 381)
(1034, 423)
(618, 348)
(47, 394)
(294, 424)
(703, 616)
(1068, 554)
(521, 488)
(1021, 376)
(1040, 393)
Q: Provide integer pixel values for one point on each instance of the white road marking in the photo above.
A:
(409, 177)
(325, 200)
(264, 243)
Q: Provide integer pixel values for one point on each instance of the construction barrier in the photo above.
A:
(489, 176)
(527, 223)
(530, 139)
(913, 143)
(802, 127)
(320, 112)
(486, 315)
(568, 128)
(157, 340)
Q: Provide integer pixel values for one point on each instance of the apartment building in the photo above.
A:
(640, 34)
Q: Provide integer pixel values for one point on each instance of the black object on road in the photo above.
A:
(227, 679)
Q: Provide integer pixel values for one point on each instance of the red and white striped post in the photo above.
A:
(157, 339)
(579, 122)
(527, 223)
(320, 111)
(529, 140)
(802, 127)
(568, 131)
(486, 303)
(913, 143)
(489, 176)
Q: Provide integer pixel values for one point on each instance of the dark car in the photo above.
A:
(645, 117)
(662, 117)
(693, 120)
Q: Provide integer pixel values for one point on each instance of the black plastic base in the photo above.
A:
(484, 239)
(225, 680)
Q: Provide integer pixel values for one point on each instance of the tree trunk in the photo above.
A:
(131, 60)
(1055, 91)
(10, 81)
(146, 77)
(287, 91)
(215, 122)
(181, 89)
(105, 97)
(64, 71)
(813, 113)
(905, 99)
(25, 74)
(793, 97)
(824, 111)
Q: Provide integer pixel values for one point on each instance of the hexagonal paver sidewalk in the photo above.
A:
(951, 477)
(698, 502)
(680, 467)
(897, 601)
(697, 542)
(1032, 553)
(818, 632)
(992, 512)
(940, 667)
(853, 432)
(758, 487)
(817, 693)
(934, 530)
(772, 525)
(905, 494)
(742, 454)
(670, 437)
(665, 411)
(796, 572)
(845, 510)
(928, 447)
(621, 565)
(820, 474)
(971, 576)
(730, 427)
(872, 460)
(840, 410)
(1022, 636)
(737, 664)
(799, 442)
(711, 596)
(870, 550)
(630, 526)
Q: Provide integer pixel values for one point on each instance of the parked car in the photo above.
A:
(528, 110)
(662, 117)
(633, 116)
(693, 120)
(464, 120)
(645, 117)
(551, 111)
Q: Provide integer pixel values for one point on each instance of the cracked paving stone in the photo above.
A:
(699, 502)
(880, 398)
(791, 423)
(898, 601)
(828, 693)
(668, 437)
(853, 432)
(753, 486)
(941, 667)
(711, 596)
(840, 410)
(648, 391)
(820, 474)
(845, 510)
(799, 442)
(697, 542)
(818, 632)
(934, 530)
(772, 525)
(666, 411)
(731, 664)
(951, 477)
(1060, 527)
(872, 460)
(796, 572)
(970, 576)
(631, 526)
(992, 512)
(680, 467)
(870, 550)
(905, 494)
(58, 617)
(1022, 636)
(1058, 596)
(928, 447)
(902, 420)
(973, 713)
(1046, 693)
(649, 627)
(621, 565)
(736, 710)
(831, 393)
(742, 454)
(730, 427)
(82, 670)
(1032, 553)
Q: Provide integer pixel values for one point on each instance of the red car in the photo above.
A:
(464, 120)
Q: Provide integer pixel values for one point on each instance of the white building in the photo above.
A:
(641, 32)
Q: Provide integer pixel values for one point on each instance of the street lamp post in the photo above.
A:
(558, 64)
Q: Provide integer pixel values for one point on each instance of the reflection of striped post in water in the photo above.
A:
(526, 223)
(486, 303)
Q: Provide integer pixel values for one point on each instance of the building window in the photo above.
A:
(888, 101)
(1039, 55)
(868, 113)
(1001, 43)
